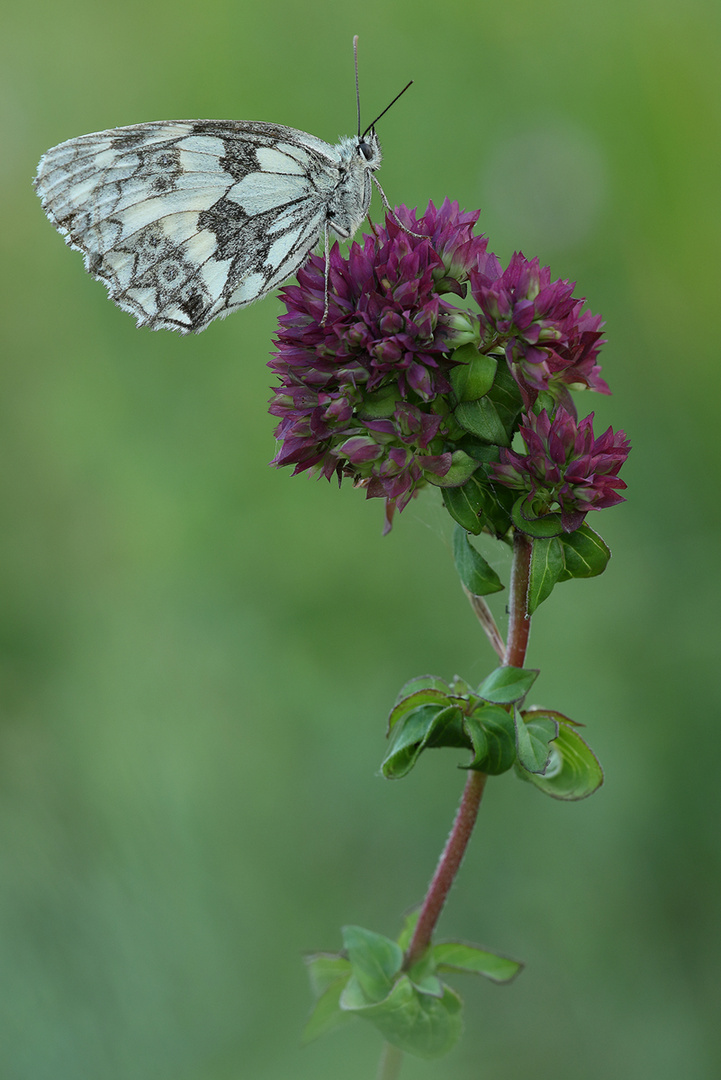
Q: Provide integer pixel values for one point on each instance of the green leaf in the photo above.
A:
(493, 737)
(327, 1014)
(421, 682)
(375, 960)
(417, 1023)
(506, 396)
(465, 504)
(574, 771)
(431, 694)
(533, 739)
(462, 467)
(456, 956)
(535, 525)
(481, 418)
(475, 573)
(324, 969)
(474, 374)
(586, 554)
(547, 565)
(507, 684)
(424, 726)
(483, 453)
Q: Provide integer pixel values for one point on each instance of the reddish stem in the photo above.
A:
(519, 621)
(519, 625)
(447, 868)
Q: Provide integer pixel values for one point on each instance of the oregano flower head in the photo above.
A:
(400, 379)
(565, 466)
(549, 341)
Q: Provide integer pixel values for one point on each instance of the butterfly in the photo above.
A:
(185, 221)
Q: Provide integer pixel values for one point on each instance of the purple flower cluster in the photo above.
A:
(358, 388)
(549, 341)
(565, 466)
(366, 389)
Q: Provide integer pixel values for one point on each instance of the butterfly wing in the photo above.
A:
(185, 221)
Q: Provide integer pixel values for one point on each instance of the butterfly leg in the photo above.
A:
(392, 212)
(326, 241)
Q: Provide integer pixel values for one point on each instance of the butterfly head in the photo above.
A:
(369, 150)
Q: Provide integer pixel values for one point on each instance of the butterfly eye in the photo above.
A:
(366, 149)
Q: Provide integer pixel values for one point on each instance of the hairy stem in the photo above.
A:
(448, 866)
(518, 630)
(519, 621)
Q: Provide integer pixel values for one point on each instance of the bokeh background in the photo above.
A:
(198, 652)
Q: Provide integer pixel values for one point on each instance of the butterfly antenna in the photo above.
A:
(395, 99)
(357, 87)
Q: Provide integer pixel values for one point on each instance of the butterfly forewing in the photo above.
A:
(185, 221)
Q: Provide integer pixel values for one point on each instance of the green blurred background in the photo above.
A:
(198, 652)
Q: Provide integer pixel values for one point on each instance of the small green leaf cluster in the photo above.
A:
(412, 1008)
(555, 558)
(488, 721)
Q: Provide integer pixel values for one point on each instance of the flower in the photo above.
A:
(549, 341)
(565, 465)
(362, 385)
(383, 380)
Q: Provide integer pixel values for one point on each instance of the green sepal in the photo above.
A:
(507, 684)
(375, 960)
(585, 554)
(417, 1023)
(481, 418)
(538, 526)
(545, 400)
(427, 725)
(573, 771)
(475, 573)
(492, 733)
(380, 404)
(472, 959)
(473, 376)
(547, 566)
(533, 740)
(462, 468)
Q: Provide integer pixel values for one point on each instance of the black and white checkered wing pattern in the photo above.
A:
(185, 221)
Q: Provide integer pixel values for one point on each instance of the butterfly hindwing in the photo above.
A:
(185, 221)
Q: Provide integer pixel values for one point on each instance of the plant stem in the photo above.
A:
(519, 621)
(390, 1063)
(447, 868)
(519, 624)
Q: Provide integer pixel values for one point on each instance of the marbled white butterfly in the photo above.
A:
(184, 221)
